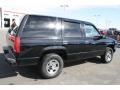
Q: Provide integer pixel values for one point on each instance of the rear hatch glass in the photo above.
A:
(12, 33)
(13, 40)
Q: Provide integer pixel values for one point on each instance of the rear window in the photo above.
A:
(13, 32)
(40, 26)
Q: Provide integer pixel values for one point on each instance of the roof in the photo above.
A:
(67, 19)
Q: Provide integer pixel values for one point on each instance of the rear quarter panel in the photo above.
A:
(32, 47)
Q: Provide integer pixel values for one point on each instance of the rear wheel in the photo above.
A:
(50, 66)
(108, 56)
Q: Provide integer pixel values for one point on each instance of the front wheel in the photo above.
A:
(50, 66)
(108, 56)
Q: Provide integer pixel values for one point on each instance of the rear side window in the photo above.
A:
(40, 26)
(72, 29)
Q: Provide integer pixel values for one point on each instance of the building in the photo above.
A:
(6, 16)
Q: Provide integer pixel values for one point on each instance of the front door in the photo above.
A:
(94, 46)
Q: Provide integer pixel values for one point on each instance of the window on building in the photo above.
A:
(6, 22)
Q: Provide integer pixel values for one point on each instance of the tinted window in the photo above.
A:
(38, 26)
(72, 29)
(90, 31)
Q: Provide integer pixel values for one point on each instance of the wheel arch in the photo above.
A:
(112, 47)
(60, 50)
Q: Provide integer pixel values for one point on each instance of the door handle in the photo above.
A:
(65, 42)
(90, 42)
(93, 43)
(87, 42)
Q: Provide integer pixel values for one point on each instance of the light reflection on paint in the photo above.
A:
(58, 26)
(54, 26)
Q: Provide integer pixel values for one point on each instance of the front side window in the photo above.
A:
(72, 29)
(90, 31)
(39, 26)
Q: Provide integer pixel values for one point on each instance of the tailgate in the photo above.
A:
(10, 43)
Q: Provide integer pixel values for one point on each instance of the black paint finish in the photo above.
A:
(32, 48)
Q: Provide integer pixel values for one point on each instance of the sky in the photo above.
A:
(103, 13)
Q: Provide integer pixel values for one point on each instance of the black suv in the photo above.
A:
(50, 41)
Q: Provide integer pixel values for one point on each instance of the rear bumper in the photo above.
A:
(9, 56)
(13, 61)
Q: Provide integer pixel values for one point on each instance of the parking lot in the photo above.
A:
(90, 71)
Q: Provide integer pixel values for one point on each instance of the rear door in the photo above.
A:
(73, 39)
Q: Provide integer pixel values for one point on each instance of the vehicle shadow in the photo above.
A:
(31, 72)
(95, 60)
(5, 69)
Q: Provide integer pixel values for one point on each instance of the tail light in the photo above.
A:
(16, 43)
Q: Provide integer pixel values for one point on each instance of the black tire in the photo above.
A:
(104, 58)
(50, 66)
